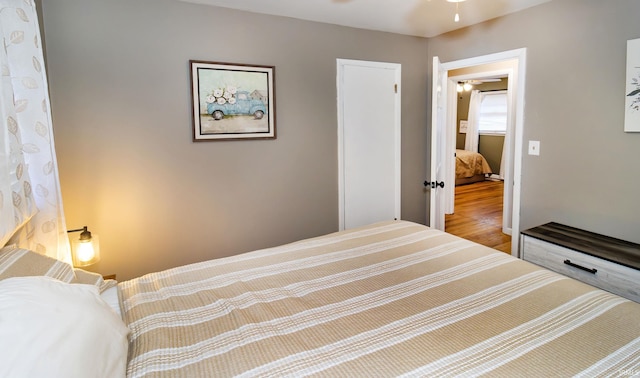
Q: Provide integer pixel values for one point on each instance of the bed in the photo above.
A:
(470, 167)
(389, 299)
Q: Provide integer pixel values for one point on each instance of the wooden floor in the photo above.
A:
(478, 215)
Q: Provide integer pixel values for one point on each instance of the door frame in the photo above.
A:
(517, 83)
(439, 146)
(397, 69)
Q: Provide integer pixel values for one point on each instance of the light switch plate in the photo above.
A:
(534, 147)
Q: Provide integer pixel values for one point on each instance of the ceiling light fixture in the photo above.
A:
(464, 86)
(456, 18)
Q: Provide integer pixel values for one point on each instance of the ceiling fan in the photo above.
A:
(480, 81)
(467, 85)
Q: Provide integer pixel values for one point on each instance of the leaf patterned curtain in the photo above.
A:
(30, 198)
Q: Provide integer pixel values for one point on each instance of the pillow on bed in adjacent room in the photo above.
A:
(49, 328)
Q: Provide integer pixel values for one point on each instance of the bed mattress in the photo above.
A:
(390, 299)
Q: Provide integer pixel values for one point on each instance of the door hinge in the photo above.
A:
(395, 88)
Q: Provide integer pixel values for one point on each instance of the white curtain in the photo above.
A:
(30, 198)
(494, 117)
(473, 119)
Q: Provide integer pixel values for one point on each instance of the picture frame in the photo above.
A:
(464, 124)
(632, 89)
(232, 101)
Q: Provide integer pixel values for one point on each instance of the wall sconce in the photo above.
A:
(85, 250)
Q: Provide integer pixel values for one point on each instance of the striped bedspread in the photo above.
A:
(390, 299)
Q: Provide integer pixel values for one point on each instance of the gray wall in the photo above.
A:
(587, 172)
(119, 83)
(490, 146)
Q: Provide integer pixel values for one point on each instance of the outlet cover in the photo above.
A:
(534, 147)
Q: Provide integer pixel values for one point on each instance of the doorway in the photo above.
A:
(487, 78)
(443, 135)
(478, 203)
(368, 142)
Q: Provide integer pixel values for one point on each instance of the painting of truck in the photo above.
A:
(232, 101)
(240, 103)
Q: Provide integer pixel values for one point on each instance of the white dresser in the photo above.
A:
(608, 263)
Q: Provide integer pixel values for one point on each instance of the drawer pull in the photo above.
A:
(568, 262)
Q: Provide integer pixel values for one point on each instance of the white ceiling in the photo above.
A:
(424, 18)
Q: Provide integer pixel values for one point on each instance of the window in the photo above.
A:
(493, 113)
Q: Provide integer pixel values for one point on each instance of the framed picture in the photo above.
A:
(464, 124)
(632, 90)
(232, 101)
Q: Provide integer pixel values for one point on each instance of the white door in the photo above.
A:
(368, 142)
(436, 181)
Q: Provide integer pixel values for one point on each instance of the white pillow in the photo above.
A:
(110, 296)
(49, 328)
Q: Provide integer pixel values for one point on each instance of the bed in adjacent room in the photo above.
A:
(470, 167)
(389, 299)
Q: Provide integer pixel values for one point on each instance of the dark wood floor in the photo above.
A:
(478, 215)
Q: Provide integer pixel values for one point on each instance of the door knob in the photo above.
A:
(434, 185)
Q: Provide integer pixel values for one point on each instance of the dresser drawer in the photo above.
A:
(595, 271)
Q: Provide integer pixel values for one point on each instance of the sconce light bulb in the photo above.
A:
(456, 18)
(85, 252)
